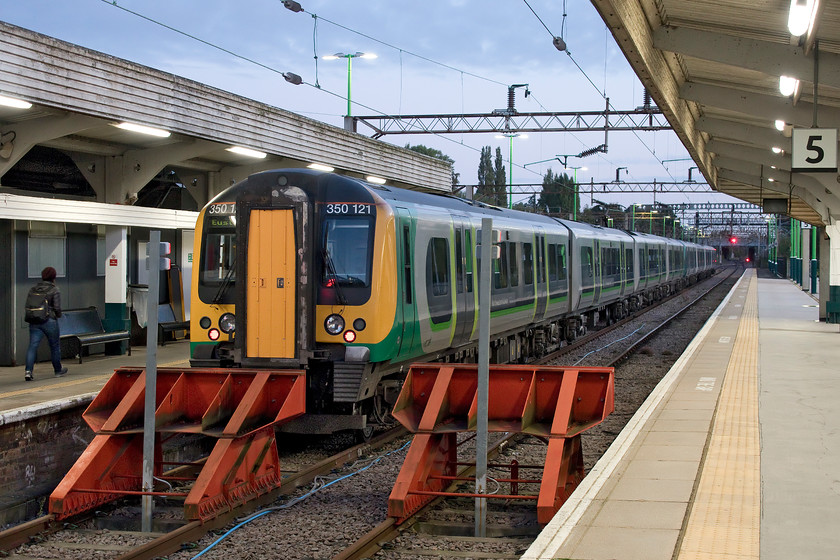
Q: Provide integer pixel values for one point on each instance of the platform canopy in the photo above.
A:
(714, 68)
(78, 95)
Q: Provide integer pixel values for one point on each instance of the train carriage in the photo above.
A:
(353, 282)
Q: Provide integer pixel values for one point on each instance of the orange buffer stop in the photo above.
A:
(239, 408)
(556, 403)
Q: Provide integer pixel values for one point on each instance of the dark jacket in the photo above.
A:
(53, 298)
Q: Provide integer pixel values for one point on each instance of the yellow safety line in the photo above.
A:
(725, 516)
(70, 383)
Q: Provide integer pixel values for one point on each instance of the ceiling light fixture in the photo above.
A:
(16, 103)
(801, 17)
(375, 180)
(321, 167)
(142, 129)
(788, 86)
(777, 150)
(246, 152)
(780, 125)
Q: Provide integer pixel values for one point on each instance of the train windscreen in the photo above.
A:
(217, 275)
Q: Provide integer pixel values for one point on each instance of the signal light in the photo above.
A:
(733, 240)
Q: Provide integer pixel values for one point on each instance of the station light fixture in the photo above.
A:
(802, 15)
(247, 152)
(15, 103)
(788, 86)
(780, 125)
(375, 180)
(777, 150)
(143, 129)
(321, 167)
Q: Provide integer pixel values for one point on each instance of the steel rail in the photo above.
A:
(371, 542)
(653, 332)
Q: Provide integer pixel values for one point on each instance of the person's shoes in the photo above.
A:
(28, 376)
(62, 372)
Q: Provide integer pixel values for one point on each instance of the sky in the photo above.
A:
(433, 57)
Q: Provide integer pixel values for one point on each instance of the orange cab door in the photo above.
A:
(271, 285)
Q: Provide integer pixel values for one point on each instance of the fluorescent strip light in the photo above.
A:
(321, 167)
(247, 152)
(142, 129)
(777, 150)
(376, 180)
(16, 103)
(780, 125)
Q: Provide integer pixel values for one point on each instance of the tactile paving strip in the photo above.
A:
(725, 515)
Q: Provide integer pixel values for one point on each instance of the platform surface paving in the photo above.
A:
(736, 454)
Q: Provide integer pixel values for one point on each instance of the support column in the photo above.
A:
(187, 242)
(116, 282)
(805, 260)
(833, 304)
(824, 263)
(814, 260)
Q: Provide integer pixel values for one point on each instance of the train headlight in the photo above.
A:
(227, 322)
(334, 324)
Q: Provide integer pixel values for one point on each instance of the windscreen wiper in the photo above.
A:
(333, 275)
(225, 283)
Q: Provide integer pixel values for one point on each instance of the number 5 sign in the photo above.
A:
(814, 149)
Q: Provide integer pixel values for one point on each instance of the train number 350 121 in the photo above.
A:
(348, 208)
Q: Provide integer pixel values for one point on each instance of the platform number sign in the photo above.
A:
(814, 150)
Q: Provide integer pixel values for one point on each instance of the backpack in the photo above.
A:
(37, 309)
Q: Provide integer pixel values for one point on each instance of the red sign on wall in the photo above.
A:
(112, 262)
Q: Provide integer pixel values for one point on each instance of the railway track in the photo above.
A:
(384, 540)
(65, 536)
(439, 513)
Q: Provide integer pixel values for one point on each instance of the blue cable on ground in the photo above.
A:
(315, 489)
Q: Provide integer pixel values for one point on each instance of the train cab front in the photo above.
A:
(297, 270)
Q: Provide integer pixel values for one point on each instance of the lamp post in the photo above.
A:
(510, 136)
(650, 223)
(575, 201)
(349, 58)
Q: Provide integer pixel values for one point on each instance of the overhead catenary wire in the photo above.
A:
(113, 3)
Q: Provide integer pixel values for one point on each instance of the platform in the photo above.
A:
(735, 454)
(81, 382)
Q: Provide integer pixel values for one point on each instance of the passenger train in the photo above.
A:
(353, 282)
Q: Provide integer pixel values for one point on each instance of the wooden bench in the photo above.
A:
(168, 324)
(83, 327)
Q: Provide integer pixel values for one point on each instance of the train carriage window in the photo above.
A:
(561, 262)
(437, 259)
(514, 269)
(500, 268)
(586, 270)
(628, 262)
(468, 246)
(540, 259)
(407, 263)
(552, 262)
(528, 263)
(459, 262)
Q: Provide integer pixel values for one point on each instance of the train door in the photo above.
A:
(272, 284)
(541, 278)
(464, 295)
(405, 262)
(598, 277)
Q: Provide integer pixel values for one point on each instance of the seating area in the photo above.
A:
(82, 328)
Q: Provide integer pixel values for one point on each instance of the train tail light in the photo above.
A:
(349, 336)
